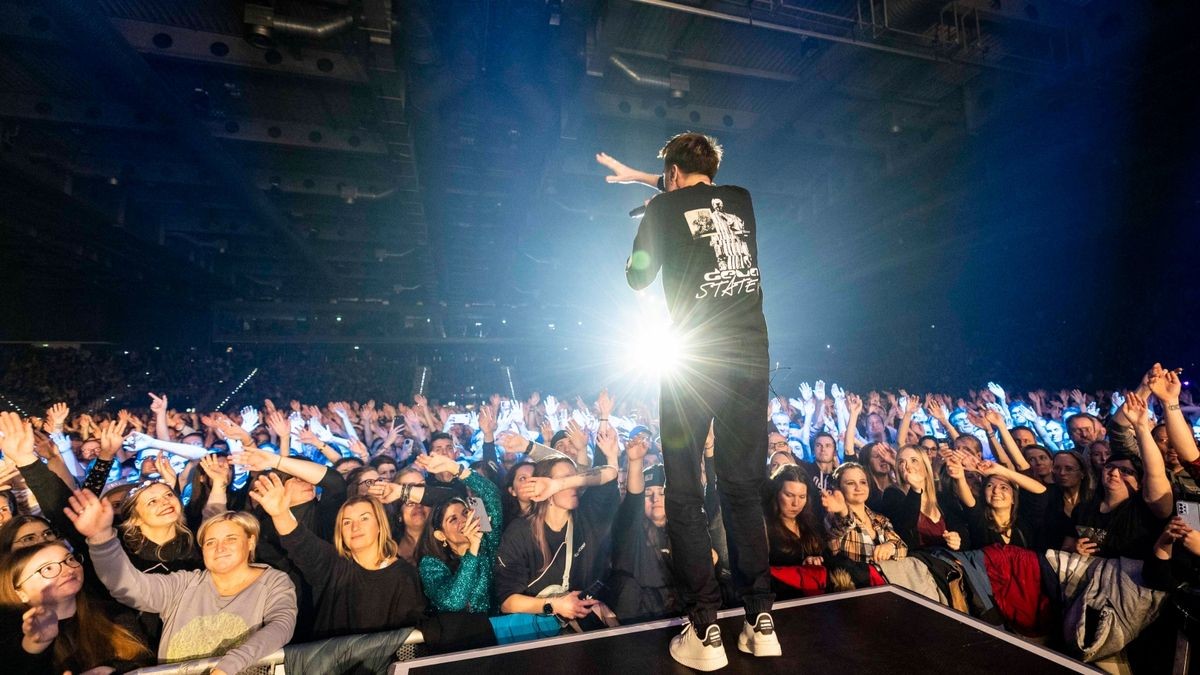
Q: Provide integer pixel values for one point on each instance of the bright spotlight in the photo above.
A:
(655, 350)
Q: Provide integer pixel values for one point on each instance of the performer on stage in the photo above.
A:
(703, 237)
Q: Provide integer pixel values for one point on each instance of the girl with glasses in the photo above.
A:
(48, 623)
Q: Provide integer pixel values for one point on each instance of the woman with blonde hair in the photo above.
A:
(926, 518)
(360, 583)
(232, 609)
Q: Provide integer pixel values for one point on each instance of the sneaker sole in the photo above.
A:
(744, 646)
(703, 665)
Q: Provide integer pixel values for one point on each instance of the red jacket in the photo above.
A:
(1016, 576)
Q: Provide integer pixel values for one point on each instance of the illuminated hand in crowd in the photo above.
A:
(249, 419)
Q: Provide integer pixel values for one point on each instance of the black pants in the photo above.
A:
(726, 383)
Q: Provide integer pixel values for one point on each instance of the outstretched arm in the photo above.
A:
(625, 174)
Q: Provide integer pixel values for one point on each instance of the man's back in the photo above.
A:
(703, 238)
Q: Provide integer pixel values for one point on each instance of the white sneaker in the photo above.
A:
(760, 639)
(704, 654)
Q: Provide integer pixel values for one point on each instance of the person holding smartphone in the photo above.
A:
(458, 546)
(703, 238)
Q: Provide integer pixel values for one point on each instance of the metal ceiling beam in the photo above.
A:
(932, 54)
(27, 21)
(103, 49)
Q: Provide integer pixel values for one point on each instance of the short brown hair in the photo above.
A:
(692, 153)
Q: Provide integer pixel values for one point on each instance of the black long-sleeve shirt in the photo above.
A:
(519, 560)
(350, 598)
(703, 238)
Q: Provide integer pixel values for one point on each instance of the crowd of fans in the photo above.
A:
(156, 534)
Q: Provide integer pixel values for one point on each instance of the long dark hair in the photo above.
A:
(1014, 533)
(8, 532)
(94, 639)
(428, 545)
(512, 505)
(812, 539)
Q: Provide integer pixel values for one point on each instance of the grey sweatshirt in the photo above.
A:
(197, 621)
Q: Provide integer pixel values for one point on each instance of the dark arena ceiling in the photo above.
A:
(286, 168)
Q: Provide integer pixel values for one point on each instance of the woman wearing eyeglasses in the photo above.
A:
(233, 609)
(1134, 500)
(49, 624)
(25, 531)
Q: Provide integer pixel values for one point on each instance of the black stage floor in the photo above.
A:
(876, 630)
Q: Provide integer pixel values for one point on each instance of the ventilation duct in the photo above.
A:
(675, 83)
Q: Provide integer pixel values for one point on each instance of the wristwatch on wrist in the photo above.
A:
(548, 609)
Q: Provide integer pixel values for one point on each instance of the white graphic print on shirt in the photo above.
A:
(735, 271)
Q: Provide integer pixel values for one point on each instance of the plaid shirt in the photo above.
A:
(846, 535)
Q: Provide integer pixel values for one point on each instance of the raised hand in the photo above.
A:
(1135, 409)
(854, 404)
(56, 417)
(911, 405)
(954, 467)
(438, 464)
(40, 627)
(993, 417)
(249, 418)
(935, 408)
(606, 442)
(837, 392)
(620, 172)
(834, 502)
(16, 439)
(806, 391)
(819, 390)
(359, 450)
(257, 460)
(979, 420)
(487, 422)
(604, 404)
(1167, 387)
(635, 449)
(578, 438)
(307, 437)
(385, 492)
(270, 494)
(968, 460)
(539, 489)
(887, 454)
(211, 466)
(162, 465)
(513, 443)
(268, 406)
(278, 424)
(1078, 398)
(158, 403)
(997, 391)
(91, 516)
